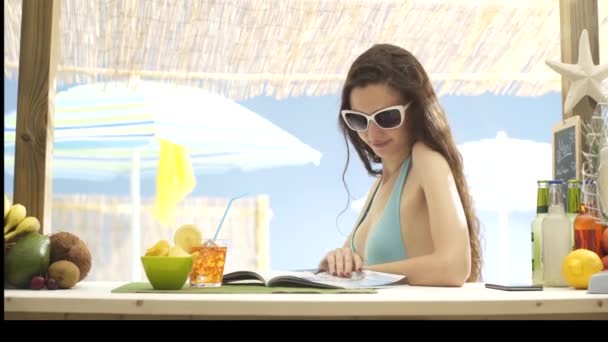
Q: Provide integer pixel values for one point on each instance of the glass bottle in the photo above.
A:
(574, 200)
(542, 207)
(555, 237)
(587, 228)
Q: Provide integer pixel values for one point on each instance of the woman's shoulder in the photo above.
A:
(431, 168)
(424, 156)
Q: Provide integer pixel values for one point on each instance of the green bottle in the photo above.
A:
(574, 204)
(542, 208)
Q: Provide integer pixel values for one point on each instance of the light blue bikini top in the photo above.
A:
(384, 243)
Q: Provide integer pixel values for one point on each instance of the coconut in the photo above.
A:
(67, 246)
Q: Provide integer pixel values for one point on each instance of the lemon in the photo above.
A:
(579, 265)
(187, 236)
(161, 248)
(177, 252)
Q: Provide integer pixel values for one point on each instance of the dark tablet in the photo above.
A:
(514, 287)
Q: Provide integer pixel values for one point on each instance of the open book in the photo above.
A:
(314, 278)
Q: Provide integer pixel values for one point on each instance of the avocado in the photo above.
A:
(29, 257)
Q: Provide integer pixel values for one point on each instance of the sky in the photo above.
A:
(306, 200)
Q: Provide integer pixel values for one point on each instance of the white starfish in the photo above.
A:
(586, 77)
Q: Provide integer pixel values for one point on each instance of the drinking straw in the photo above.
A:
(217, 231)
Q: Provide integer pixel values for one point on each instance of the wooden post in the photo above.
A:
(575, 16)
(262, 232)
(35, 106)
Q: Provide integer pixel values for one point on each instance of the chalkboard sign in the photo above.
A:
(566, 149)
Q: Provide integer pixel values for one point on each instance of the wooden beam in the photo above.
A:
(35, 105)
(262, 233)
(575, 16)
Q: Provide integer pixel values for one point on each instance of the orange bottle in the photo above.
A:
(587, 227)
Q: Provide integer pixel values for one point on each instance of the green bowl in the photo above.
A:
(167, 272)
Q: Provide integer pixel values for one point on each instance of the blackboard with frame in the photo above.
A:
(566, 149)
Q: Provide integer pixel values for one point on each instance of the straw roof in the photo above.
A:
(286, 48)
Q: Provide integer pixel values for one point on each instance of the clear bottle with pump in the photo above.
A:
(574, 204)
(556, 238)
(542, 207)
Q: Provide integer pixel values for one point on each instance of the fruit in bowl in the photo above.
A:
(187, 236)
(168, 267)
(161, 248)
(167, 272)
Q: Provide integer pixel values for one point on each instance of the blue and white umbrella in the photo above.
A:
(104, 130)
(98, 128)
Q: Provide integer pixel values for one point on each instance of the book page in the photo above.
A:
(253, 277)
(243, 277)
(364, 279)
(296, 274)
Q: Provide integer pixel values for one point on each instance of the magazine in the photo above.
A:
(314, 278)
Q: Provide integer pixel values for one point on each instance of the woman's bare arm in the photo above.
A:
(450, 262)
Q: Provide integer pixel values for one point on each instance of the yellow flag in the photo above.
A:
(174, 181)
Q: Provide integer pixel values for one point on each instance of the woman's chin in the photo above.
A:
(382, 153)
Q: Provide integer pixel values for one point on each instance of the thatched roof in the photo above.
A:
(294, 47)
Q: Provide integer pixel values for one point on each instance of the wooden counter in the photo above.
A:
(473, 301)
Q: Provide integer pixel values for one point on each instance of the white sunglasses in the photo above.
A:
(387, 118)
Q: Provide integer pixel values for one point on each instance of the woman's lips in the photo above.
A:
(380, 144)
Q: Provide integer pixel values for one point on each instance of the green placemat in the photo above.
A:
(236, 289)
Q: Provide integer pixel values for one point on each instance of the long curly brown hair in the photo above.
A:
(426, 122)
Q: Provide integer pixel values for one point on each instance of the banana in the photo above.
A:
(15, 215)
(7, 206)
(161, 248)
(28, 224)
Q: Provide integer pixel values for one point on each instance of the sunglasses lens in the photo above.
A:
(356, 121)
(389, 118)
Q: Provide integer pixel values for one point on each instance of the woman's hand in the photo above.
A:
(341, 262)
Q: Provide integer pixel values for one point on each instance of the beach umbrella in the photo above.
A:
(99, 127)
(105, 130)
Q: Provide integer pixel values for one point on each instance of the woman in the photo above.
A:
(418, 219)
